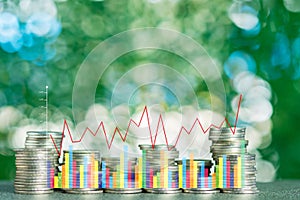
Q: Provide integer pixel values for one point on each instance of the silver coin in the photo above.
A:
(219, 139)
(34, 142)
(224, 129)
(37, 158)
(25, 180)
(154, 152)
(35, 162)
(227, 152)
(201, 191)
(226, 135)
(21, 180)
(83, 151)
(248, 162)
(83, 190)
(245, 162)
(246, 156)
(78, 163)
(82, 156)
(156, 147)
(83, 160)
(158, 156)
(36, 153)
(240, 191)
(221, 148)
(43, 137)
(123, 190)
(117, 160)
(162, 165)
(159, 164)
(30, 150)
(52, 165)
(207, 163)
(37, 178)
(31, 187)
(31, 183)
(157, 160)
(45, 146)
(22, 163)
(231, 141)
(25, 167)
(38, 187)
(34, 158)
(31, 173)
(162, 190)
(33, 133)
(34, 192)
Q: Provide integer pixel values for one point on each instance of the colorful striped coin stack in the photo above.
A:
(195, 176)
(238, 176)
(37, 163)
(79, 172)
(159, 169)
(235, 168)
(119, 174)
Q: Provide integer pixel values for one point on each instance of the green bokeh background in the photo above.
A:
(86, 23)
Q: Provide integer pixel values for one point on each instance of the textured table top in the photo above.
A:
(286, 189)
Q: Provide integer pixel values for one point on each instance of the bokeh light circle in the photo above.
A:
(92, 69)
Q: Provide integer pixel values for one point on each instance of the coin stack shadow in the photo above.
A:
(153, 157)
(34, 162)
(230, 151)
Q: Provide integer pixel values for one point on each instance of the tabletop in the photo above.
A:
(283, 189)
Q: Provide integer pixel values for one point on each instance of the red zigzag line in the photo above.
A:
(131, 121)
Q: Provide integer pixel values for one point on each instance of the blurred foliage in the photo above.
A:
(86, 23)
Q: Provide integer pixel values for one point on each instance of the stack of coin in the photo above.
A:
(157, 158)
(204, 184)
(35, 162)
(248, 174)
(122, 184)
(43, 139)
(32, 171)
(84, 159)
(230, 148)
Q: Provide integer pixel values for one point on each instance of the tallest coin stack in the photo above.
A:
(34, 162)
(235, 168)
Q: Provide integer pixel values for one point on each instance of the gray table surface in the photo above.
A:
(286, 189)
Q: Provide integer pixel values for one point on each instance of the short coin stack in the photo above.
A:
(120, 174)
(34, 162)
(83, 176)
(236, 171)
(204, 181)
(159, 162)
(43, 140)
